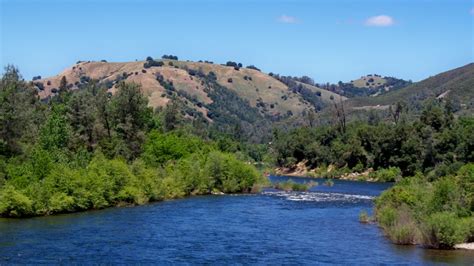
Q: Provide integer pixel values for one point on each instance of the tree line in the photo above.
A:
(89, 149)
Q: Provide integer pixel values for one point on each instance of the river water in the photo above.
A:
(274, 227)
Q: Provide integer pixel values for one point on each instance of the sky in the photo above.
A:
(328, 40)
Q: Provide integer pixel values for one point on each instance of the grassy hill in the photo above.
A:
(369, 81)
(326, 96)
(270, 96)
(456, 85)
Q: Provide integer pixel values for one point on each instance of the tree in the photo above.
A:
(340, 115)
(82, 116)
(55, 132)
(433, 115)
(311, 118)
(172, 117)
(396, 111)
(130, 118)
(63, 85)
(20, 112)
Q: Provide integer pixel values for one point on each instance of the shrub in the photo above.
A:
(403, 234)
(253, 67)
(170, 57)
(390, 174)
(444, 230)
(61, 202)
(291, 185)
(153, 63)
(364, 217)
(13, 203)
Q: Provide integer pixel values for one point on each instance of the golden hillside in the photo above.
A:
(262, 91)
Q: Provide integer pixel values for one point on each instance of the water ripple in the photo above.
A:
(318, 196)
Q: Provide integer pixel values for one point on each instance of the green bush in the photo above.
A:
(160, 148)
(445, 229)
(390, 174)
(404, 234)
(364, 217)
(13, 203)
(291, 185)
(439, 211)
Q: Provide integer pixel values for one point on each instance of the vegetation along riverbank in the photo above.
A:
(88, 149)
(88, 143)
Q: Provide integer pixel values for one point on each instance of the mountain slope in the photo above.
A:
(270, 96)
(456, 85)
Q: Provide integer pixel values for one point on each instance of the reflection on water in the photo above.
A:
(274, 227)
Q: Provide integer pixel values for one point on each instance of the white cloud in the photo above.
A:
(287, 19)
(380, 21)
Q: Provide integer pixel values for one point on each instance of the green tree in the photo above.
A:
(55, 133)
(20, 112)
(131, 118)
(172, 116)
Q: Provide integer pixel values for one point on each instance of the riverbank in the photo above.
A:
(301, 170)
(465, 246)
(431, 213)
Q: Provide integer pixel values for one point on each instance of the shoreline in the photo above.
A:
(123, 205)
(465, 246)
(310, 174)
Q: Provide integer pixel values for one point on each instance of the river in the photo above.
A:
(273, 227)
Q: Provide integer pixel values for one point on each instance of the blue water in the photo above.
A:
(273, 227)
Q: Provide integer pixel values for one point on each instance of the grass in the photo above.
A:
(364, 217)
(291, 185)
(362, 82)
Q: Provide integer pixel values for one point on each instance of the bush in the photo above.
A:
(160, 148)
(364, 217)
(253, 67)
(153, 63)
(290, 185)
(403, 234)
(444, 230)
(13, 203)
(391, 174)
(170, 57)
(436, 214)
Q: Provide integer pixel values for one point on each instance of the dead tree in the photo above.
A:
(340, 116)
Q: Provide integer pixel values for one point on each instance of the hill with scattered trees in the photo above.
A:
(456, 86)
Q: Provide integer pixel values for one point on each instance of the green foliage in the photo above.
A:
(130, 118)
(106, 182)
(20, 113)
(390, 174)
(13, 203)
(291, 185)
(364, 217)
(162, 147)
(87, 153)
(55, 132)
(437, 214)
(403, 148)
(445, 229)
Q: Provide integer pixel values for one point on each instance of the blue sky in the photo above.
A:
(329, 40)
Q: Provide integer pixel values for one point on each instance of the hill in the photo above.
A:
(369, 81)
(229, 96)
(270, 96)
(456, 85)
